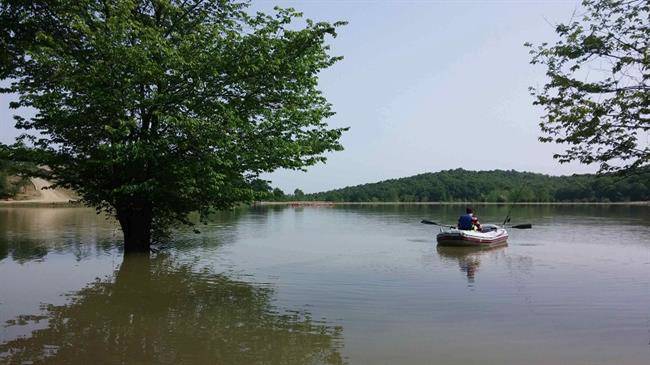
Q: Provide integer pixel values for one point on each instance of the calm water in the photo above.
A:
(356, 285)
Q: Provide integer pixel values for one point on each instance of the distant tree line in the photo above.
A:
(487, 186)
(11, 178)
(6, 189)
(10, 184)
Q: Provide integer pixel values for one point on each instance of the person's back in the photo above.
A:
(468, 221)
(465, 222)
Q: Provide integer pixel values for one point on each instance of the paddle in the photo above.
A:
(429, 222)
(425, 221)
(518, 226)
(507, 220)
(522, 226)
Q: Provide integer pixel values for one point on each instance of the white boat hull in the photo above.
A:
(455, 237)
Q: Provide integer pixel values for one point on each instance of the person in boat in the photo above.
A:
(468, 221)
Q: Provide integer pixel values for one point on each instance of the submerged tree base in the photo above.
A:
(136, 225)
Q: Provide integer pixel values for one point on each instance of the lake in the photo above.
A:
(329, 285)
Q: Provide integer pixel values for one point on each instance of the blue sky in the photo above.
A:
(426, 86)
(432, 85)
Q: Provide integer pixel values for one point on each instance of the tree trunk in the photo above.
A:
(136, 226)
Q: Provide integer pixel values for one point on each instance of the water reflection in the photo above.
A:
(22, 250)
(572, 289)
(156, 311)
(468, 258)
(28, 234)
(4, 249)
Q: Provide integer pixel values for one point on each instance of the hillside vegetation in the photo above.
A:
(493, 186)
(9, 185)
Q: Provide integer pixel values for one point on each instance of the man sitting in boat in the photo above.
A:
(468, 221)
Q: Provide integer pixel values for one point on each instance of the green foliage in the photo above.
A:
(5, 187)
(6, 190)
(4, 182)
(158, 108)
(496, 186)
(278, 194)
(262, 189)
(596, 97)
(10, 183)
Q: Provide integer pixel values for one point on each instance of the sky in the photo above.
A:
(425, 86)
(431, 85)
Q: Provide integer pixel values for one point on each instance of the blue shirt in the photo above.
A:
(465, 222)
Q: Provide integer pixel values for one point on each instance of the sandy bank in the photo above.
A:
(41, 196)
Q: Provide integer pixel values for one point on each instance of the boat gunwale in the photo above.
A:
(456, 238)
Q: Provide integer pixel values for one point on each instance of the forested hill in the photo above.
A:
(495, 186)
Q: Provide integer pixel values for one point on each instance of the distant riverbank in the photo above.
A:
(38, 203)
(37, 193)
(72, 203)
(326, 203)
(492, 186)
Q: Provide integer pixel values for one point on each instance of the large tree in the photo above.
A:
(597, 97)
(153, 109)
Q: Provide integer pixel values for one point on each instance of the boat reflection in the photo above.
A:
(156, 311)
(468, 258)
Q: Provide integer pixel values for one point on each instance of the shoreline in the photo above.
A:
(307, 203)
(327, 203)
(41, 195)
(40, 204)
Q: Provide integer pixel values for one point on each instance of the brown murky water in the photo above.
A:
(356, 285)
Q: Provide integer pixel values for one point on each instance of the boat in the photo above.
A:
(490, 235)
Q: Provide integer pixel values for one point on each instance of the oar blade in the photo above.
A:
(425, 221)
(523, 226)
